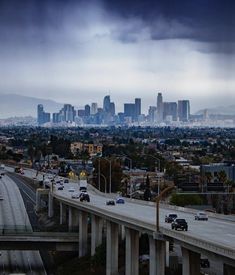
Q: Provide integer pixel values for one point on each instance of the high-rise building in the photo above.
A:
(106, 104)
(69, 113)
(159, 107)
(81, 113)
(129, 110)
(112, 109)
(137, 108)
(170, 109)
(152, 113)
(42, 117)
(40, 114)
(183, 110)
(55, 118)
(94, 108)
(87, 110)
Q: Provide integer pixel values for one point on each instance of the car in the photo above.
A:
(110, 202)
(75, 196)
(201, 216)
(61, 188)
(170, 217)
(66, 181)
(84, 197)
(120, 200)
(179, 224)
(204, 263)
(71, 189)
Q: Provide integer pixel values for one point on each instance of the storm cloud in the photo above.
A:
(77, 51)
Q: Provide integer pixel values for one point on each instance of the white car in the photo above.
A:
(71, 189)
(201, 216)
(75, 196)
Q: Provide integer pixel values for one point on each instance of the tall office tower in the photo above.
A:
(69, 113)
(137, 108)
(87, 110)
(40, 114)
(129, 110)
(106, 104)
(42, 117)
(152, 113)
(159, 107)
(112, 108)
(55, 118)
(170, 109)
(94, 107)
(183, 110)
(81, 113)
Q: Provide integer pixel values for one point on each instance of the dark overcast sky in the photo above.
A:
(55, 45)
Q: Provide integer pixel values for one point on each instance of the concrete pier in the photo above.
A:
(112, 248)
(132, 252)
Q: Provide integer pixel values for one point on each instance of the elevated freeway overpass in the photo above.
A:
(215, 238)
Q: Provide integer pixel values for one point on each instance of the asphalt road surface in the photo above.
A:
(13, 216)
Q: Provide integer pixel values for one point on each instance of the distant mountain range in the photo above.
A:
(12, 105)
(220, 110)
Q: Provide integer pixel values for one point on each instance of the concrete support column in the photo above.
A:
(112, 248)
(190, 262)
(83, 217)
(122, 232)
(157, 256)
(50, 205)
(38, 200)
(132, 252)
(229, 270)
(73, 218)
(96, 232)
(167, 254)
(62, 213)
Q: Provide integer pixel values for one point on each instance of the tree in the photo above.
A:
(147, 192)
(182, 200)
(208, 176)
(222, 176)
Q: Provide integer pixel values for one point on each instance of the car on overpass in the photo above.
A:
(170, 217)
(120, 200)
(110, 202)
(179, 224)
(75, 196)
(84, 197)
(201, 216)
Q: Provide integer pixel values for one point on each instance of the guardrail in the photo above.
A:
(202, 244)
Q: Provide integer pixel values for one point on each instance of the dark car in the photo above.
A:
(170, 217)
(110, 202)
(179, 224)
(84, 197)
(204, 263)
(61, 188)
(120, 200)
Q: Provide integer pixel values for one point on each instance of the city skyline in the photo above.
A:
(76, 51)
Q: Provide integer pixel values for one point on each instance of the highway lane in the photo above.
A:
(14, 216)
(215, 230)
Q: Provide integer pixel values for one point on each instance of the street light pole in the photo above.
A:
(158, 199)
(99, 174)
(110, 175)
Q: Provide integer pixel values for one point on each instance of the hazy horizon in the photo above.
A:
(78, 52)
